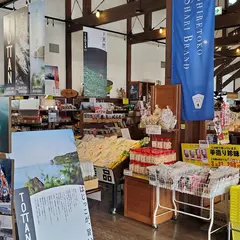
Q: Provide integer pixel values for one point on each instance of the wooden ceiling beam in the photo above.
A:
(227, 21)
(119, 13)
(225, 63)
(152, 35)
(231, 68)
(228, 53)
(237, 90)
(227, 41)
(232, 78)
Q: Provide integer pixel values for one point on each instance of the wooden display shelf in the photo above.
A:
(102, 120)
(140, 201)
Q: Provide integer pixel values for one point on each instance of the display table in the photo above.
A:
(140, 201)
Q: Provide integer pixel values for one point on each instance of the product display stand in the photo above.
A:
(203, 191)
(113, 177)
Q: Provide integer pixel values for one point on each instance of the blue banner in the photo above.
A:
(193, 56)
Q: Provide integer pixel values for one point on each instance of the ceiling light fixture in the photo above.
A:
(160, 30)
(98, 14)
(238, 50)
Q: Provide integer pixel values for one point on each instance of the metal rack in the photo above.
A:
(202, 190)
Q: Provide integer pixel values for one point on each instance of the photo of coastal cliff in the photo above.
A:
(5, 124)
(44, 160)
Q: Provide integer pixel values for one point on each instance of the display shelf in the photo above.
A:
(102, 120)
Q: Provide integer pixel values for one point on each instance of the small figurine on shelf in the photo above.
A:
(167, 120)
(121, 93)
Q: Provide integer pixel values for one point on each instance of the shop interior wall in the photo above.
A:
(54, 34)
(146, 57)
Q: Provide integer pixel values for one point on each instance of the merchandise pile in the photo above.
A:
(194, 180)
(106, 152)
(162, 117)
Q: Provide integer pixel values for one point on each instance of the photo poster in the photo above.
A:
(5, 125)
(16, 53)
(52, 81)
(7, 227)
(37, 47)
(49, 192)
(95, 62)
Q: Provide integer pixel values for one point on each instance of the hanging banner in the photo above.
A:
(193, 56)
(16, 54)
(37, 42)
(9, 53)
(95, 62)
(22, 52)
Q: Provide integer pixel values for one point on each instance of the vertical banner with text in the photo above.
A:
(9, 53)
(22, 52)
(37, 42)
(95, 62)
(193, 56)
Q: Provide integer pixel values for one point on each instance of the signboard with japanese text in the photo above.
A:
(224, 155)
(215, 155)
(49, 194)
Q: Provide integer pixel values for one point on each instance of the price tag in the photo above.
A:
(125, 101)
(153, 130)
(204, 144)
(127, 172)
(92, 100)
(125, 133)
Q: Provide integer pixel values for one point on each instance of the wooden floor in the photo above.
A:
(108, 227)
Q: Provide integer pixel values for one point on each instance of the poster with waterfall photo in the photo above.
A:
(22, 81)
(95, 62)
(50, 185)
(9, 54)
(37, 43)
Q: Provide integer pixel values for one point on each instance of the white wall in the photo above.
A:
(56, 35)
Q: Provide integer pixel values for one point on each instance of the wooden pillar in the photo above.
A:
(148, 22)
(168, 69)
(68, 15)
(129, 56)
(219, 82)
(87, 7)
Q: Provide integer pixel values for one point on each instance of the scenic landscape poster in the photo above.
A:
(48, 180)
(5, 124)
(22, 81)
(9, 53)
(7, 228)
(52, 81)
(6, 185)
(95, 62)
(37, 43)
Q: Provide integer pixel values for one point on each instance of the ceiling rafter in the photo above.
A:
(224, 64)
(231, 79)
(230, 68)
(119, 13)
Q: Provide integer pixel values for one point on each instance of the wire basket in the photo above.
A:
(197, 188)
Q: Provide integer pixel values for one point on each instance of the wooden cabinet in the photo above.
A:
(140, 91)
(169, 95)
(140, 201)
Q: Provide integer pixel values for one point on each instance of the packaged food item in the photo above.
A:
(167, 144)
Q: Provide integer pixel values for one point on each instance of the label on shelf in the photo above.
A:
(204, 144)
(127, 172)
(153, 130)
(125, 101)
(92, 100)
(125, 133)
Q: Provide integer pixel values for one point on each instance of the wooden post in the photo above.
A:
(168, 69)
(68, 14)
(129, 56)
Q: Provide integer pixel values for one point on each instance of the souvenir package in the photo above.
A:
(162, 117)
(192, 179)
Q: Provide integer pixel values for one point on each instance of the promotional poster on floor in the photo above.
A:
(49, 194)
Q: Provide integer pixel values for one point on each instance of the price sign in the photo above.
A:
(153, 130)
(125, 133)
(125, 101)
(224, 138)
(204, 144)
